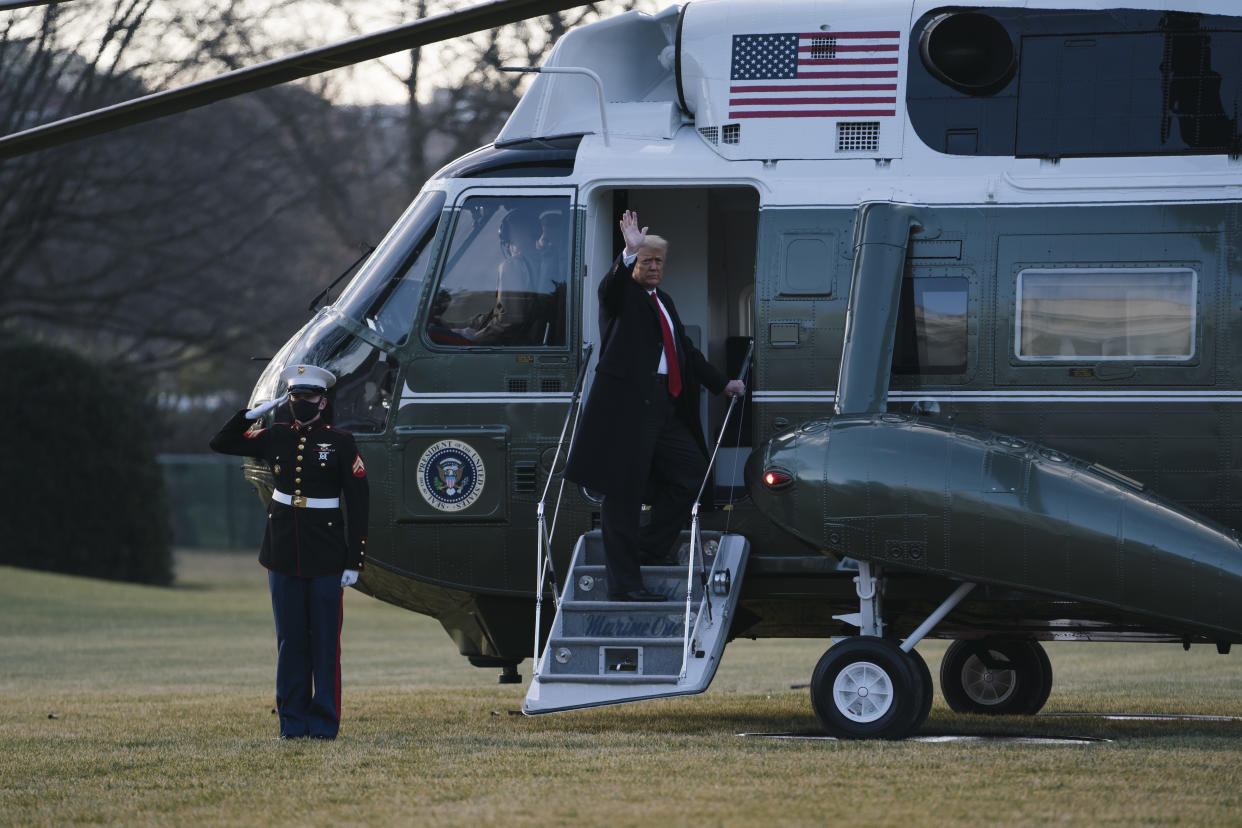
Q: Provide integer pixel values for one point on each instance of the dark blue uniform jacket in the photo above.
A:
(315, 461)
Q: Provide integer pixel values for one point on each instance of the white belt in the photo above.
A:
(306, 502)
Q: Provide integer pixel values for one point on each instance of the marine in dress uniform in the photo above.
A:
(312, 548)
(640, 439)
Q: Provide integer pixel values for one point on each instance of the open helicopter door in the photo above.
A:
(601, 652)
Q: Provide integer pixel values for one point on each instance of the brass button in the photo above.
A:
(297, 491)
(299, 457)
(298, 469)
(297, 480)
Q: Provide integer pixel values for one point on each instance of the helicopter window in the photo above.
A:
(932, 326)
(504, 280)
(365, 375)
(1098, 314)
(384, 295)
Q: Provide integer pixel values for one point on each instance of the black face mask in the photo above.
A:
(304, 410)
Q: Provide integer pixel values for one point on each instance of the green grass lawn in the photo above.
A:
(141, 705)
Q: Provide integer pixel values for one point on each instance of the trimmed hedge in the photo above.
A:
(80, 489)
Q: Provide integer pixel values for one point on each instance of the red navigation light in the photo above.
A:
(776, 479)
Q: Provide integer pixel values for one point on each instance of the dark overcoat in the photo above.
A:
(314, 461)
(605, 456)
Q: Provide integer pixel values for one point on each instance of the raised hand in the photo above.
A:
(261, 409)
(631, 232)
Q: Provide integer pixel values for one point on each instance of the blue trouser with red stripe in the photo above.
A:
(308, 653)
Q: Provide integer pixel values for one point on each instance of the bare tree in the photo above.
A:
(173, 241)
(189, 245)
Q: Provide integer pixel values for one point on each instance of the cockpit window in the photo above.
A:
(384, 294)
(505, 276)
(365, 375)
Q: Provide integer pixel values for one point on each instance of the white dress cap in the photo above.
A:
(300, 377)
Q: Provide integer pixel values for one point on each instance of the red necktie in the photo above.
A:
(670, 353)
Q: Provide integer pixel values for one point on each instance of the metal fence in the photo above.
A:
(212, 505)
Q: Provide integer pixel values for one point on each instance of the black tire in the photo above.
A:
(923, 674)
(1039, 699)
(866, 688)
(994, 677)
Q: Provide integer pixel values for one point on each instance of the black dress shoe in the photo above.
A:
(638, 595)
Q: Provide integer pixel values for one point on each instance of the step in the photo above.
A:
(593, 548)
(621, 619)
(618, 679)
(611, 652)
(614, 657)
(590, 583)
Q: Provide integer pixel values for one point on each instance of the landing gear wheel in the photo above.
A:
(1039, 699)
(996, 677)
(867, 688)
(923, 674)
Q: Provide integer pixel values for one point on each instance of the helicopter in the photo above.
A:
(978, 261)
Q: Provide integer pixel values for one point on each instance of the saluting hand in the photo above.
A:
(261, 409)
(631, 233)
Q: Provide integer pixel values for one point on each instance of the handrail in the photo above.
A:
(696, 538)
(543, 564)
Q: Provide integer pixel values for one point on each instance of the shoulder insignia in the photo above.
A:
(360, 469)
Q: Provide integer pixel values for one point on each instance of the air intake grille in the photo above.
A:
(516, 386)
(858, 136)
(732, 133)
(823, 48)
(524, 476)
(712, 134)
(550, 386)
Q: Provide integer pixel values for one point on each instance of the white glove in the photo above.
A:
(349, 577)
(261, 409)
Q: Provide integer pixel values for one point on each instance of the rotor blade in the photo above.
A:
(439, 27)
(9, 5)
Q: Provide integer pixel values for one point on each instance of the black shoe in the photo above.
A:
(644, 595)
(324, 736)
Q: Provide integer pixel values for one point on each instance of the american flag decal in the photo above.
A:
(816, 75)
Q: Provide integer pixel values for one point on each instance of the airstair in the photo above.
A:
(602, 652)
(608, 652)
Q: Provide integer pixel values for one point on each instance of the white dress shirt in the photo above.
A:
(628, 260)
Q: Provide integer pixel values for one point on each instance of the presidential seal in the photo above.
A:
(451, 475)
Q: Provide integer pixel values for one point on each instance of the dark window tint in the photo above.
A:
(1088, 83)
(1126, 94)
(932, 326)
